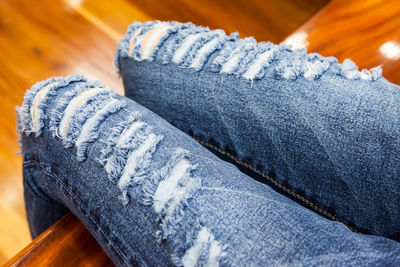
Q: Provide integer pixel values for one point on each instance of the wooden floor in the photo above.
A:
(44, 38)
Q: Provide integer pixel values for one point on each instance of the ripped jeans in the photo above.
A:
(153, 196)
(322, 133)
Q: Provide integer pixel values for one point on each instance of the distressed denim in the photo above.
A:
(153, 196)
(323, 133)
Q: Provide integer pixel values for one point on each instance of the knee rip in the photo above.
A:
(186, 45)
(75, 117)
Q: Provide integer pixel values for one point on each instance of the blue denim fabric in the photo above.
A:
(153, 196)
(323, 133)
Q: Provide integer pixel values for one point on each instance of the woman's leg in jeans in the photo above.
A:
(323, 133)
(151, 195)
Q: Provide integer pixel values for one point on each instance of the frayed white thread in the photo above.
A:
(131, 165)
(169, 191)
(184, 48)
(215, 253)
(57, 113)
(262, 60)
(151, 185)
(36, 112)
(25, 116)
(373, 74)
(128, 140)
(129, 133)
(311, 71)
(122, 141)
(81, 115)
(236, 62)
(352, 75)
(350, 70)
(133, 41)
(204, 238)
(365, 74)
(89, 131)
(232, 62)
(76, 102)
(152, 38)
(206, 50)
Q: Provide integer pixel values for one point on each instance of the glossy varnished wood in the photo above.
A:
(66, 243)
(358, 30)
(44, 38)
(47, 38)
(268, 20)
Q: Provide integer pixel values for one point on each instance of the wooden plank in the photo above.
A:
(359, 30)
(37, 41)
(270, 20)
(12, 231)
(66, 243)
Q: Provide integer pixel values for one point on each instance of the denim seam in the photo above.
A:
(41, 195)
(89, 215)
(45, 197)
(247, 165)
(91, 218)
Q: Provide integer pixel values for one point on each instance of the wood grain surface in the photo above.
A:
(44, 38)
(367, 31)
(66, 243)
(267, 20)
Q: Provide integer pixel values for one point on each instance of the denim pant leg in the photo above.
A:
(323, 133)
(153, 196)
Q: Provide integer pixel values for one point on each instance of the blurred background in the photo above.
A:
(44, 38)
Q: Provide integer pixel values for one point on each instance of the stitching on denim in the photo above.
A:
(330, 215)
(31, 163)
(88, 214)
(38, 192)
(178, 260)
